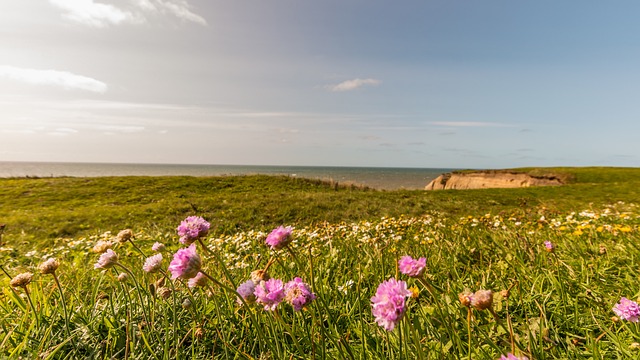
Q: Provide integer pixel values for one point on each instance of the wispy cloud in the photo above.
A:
(97, 14)
(63, 79)
(467, 124)
(353, 84)
(90, 13)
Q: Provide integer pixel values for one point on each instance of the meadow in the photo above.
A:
(499, 273)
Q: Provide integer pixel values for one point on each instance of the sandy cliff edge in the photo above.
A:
(490, 179)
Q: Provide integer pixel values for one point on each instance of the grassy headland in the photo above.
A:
(558, 260)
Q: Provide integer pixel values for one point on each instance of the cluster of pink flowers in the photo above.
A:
(627, 310)
(186, 263)
(412, 267)
(192, 228)
(153, 263)
(279, 237)
(272, 292)
(389, 303)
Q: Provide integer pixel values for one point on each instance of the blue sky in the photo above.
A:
(456, 84)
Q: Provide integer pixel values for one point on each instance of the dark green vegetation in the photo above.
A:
(36, 210)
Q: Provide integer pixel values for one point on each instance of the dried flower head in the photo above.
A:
(270, 293)
(164, 292)
(412, 267)
(259, 275)
(186, 303)
(101, 246)
(627, 310)
(186, 263)
(465, 298)
(21, 280)
(602, 249)
(49, 266)
(198, 333)
(482, 299)
(153, 263)
(298, 294)
(124, 235)
(279, 237)
(192, 228)
(122, 277)
(106, 260)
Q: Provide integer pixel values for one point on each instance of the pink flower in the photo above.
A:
(298, 294)
(246, 291)
(410, 267)
(279, 237)
(153, 263)
(186, 263)
(157, 247)
(106, 260)
(199, 280)
(192, 228)
(548, 245)
(388, 305)
(627, 309)
(269, 293)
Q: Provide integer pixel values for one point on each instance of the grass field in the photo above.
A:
(550, 301)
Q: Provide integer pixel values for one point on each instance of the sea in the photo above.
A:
(383, 178)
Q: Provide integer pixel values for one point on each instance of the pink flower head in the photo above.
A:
(199, 280)
(388, 305)
(298, 294)
(106, 260)
(627, 309)
(186, 263)
(153, 263)
(269, 293)
(510, 356)
(548, 245)
(192, 228)
(279, 237)
(410, 267)
(246, 291)
(158, 247)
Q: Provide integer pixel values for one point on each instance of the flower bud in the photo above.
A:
(482, 299)
(49, 267)
(21, 280)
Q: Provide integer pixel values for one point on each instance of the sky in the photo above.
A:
(413, 83)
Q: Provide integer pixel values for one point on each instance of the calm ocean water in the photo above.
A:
(379, 178)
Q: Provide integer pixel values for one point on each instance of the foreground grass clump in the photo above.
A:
(477, 286)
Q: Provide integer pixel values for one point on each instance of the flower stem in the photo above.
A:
(64, 304)
(26, 290)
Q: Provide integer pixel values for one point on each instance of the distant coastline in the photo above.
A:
(375, 177)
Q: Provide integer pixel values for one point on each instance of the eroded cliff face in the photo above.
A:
(490, 179)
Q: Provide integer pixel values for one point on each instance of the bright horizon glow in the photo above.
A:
(424, 84)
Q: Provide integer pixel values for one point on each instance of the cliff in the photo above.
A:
(490, 179)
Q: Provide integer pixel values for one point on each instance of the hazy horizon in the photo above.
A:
(421, 84)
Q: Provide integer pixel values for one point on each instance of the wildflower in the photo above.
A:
(157, 247)
(246, 291)
(298, 294)
(122, 277)
(186, 304)
(279, 237)
(106, 260)
(627, 310)
(482, 299)
(186, 263)
(49, 267)
(410, 267)
(153, 263)
(270, 293)
(548, 245)
(415, 292)
(21, 280)
(388, 305)
(101, 246)
(192, 228)
(510, 356)
(199, 280)
(124, 236)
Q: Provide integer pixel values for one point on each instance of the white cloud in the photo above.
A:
(91, 13)
(64, 79)
(468, 124)
(178, 8)
(353, 84)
